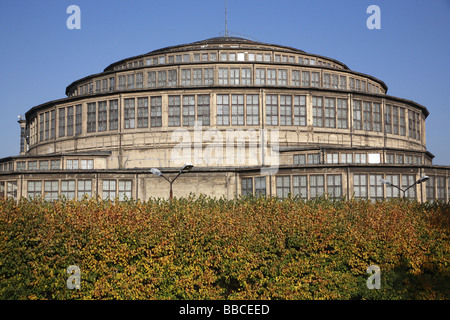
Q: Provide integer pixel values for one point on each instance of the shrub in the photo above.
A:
(208, 248)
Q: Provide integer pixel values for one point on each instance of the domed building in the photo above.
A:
(247, 117)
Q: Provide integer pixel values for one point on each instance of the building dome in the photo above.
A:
(230, 106)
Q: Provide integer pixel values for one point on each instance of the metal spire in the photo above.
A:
(226, 22)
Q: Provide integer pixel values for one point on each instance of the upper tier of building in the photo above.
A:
(140, 72)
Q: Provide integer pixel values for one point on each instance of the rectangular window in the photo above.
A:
(43, 165)
(271, 77)
(334, 81)
(282, 77)
(11, 189)
(151, 79)
(223, 110)
(332, 158)
(247, 186)
(271, 110)
(316, 186)
(84, 188)
(2, 190)
(69, 121)
(173, 80)
(142, 112)
(41, 127)
(112, 84)
(130, 81)
(343, 82)
(139, 80)
(174, 111)
(47, 125)
(237, 109)
(72, 164)
(62, 122)
(315, 79)
(87, 164)
(357, 119)
(285, 110)
(91, 117)
(300, 159)
(188, 111)
(327, 80)
(330, 113)
(300, 110)
(305, 79)
(346, 158)
(402, 122)
(334, 186)
(283, 186)
(317, 104)
(32, 165)
(440, 188)
(129, 113)
(260, 77)
(21, 165)
(209, 76)
(395, 127)
(246, 76)
(156, 111)
(409, 180)
(109, 189)
(55, 164)
(113, 114)
(314, 158)
(197, 77)
(162, 78)
(34, 189)
(252, 109)
(121, 85)
(203, 109)
(223, 76)
(296, 78)
(68, 189)
(102, 121)
(391, 191)
(51, 190)
(125, 190)
(234, 76)
(300, 186)
(360, 186)
(260, 186)
(78, 119)
(376, 117)
(376, 187)
(367, 116)
(342, 113)
(53, 124)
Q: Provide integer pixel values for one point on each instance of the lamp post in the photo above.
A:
(390, 184)
(187, 167)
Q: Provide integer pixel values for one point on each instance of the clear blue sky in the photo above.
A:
(40, 56)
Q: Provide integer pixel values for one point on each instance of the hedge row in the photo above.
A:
(204, 248)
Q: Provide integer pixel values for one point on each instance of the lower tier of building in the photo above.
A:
(337, 181)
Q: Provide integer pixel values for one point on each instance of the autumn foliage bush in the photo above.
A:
(205, 248)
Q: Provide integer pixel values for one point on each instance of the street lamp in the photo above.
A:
(390, 184)
(187, 167)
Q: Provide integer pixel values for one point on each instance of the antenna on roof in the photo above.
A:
(226, 21)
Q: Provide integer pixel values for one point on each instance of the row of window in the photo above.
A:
(306, 186)
(225, 56)
(354, 157)
(69, 189)
(232, 109)
(365, 186)
(229, 76)
(45, 165)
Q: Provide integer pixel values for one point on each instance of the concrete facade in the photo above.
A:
(229, 106)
